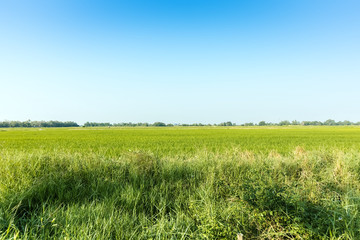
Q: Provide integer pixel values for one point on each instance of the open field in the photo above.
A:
(180, 183)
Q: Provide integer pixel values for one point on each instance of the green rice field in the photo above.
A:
(180, 183)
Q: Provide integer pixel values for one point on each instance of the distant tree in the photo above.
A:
(249, 124)
(159, 124)
(294, 122)
(95, 124)
(346, 122)
(15, 124)
(4, 124)
(27, 123)
(313, 123)
(262, 123)
(284, 123)
(226, 124)
(229, 123)
(330, 122)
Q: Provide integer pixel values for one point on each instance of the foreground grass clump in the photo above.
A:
(207, 195)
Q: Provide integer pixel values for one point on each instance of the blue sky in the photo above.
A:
(180, 60)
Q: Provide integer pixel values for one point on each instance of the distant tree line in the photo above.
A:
(28, 124)
(128, 124)
(328, 122)
(155, 124)
(226, 124)
(14, 124)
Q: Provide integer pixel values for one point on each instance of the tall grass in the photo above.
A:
(206, 195)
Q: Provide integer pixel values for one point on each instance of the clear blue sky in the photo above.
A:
(180, 60)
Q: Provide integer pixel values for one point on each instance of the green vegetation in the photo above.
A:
(46, 124)
(29, 123)
(328, 122)
(180, 183)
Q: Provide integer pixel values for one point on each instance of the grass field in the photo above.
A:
(180, 183)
